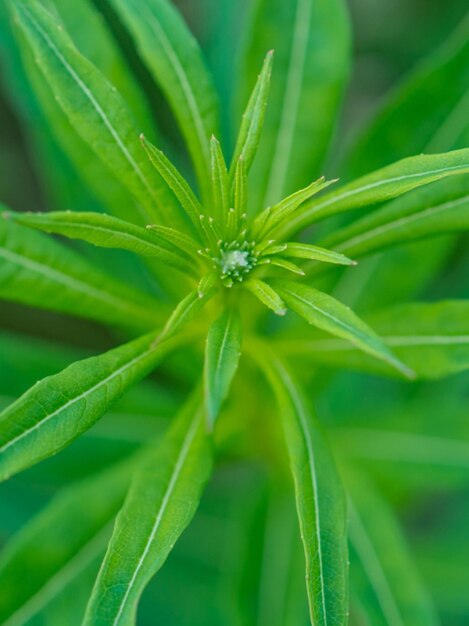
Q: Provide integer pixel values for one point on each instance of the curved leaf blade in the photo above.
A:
(161, 502)
(222, 354)
(266, 294)
(327, 313)
(315, 253)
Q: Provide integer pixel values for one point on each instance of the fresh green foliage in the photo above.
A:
(198, 257)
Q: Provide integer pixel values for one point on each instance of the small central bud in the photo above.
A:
(235, 260)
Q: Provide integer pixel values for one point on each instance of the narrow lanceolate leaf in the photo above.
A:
(105, 231)
(283, 263)
(253, 118)
(273, 217)
(175, 181)
(240, 193)
(220, 183)
(38, 271)
(266, 294)
(433, 339)
(59, 408)
(388, 182)
(58, 544)
(440, 208)
(174, 59)
(327, 313)
(92, 105)
(161, 502)
(315, 253)
(189, 307)
(176, 238)
(320, 499)
(384, 578)
(222, 353)
(311, 42)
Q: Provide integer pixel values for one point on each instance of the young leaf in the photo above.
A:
(220, 183)
(315, 253)
(93, 106)
(433, 339)
(266, 294)
(320, 499)
(240, 197)
(174, 59)
(38, 271)
(389, 588)
(388, 182)
(59, 543)
(222, 353)
(440, 208)
(330, 315)
(105, 231)
(283, 263)
(188, 308)
(59, 408)
(311, 43)
(161, 502)
(176, 238)
(253, 118)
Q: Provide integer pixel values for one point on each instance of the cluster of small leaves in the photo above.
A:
(215, 250)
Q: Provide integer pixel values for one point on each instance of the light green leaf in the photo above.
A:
(240, 198)
(327, 313)
(176, 238)
(162, 500)
(283, 263)
(384, 184)
(222, 354)
(38, 271)
(189, 306)
(92, 106)
(174, 59)
(440, 208)
(266, 294)
(315, 253)
(106, 231)
(57, 545)
(311, 42)
(384, 577)
(253, 118)
(220, 183)
(433, 339)
(59, 408)
(320, 499)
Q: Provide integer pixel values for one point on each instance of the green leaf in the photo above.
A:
(222, 354)
(385, 580)
(240, 198)
(59, 543)
(433, 339)
(327, 313)
(311, 42)
(180, 240)
(388, 182)
(38, 271)
(315, 253)
(59, 408)
(92, 106)
(320, 499)
(220, 183)
(189, 307)
(161, 502)
(174, 59)
(253, 118)
(266, 294)
(107, 232)
(440, 208)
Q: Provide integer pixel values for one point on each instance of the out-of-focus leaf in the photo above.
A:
(51, 550)
(59, 408)
(327, 313)
(187, 309)
(161, 502)
(384, 184)
(93, 106)
(434, 210)
(107, 232)
(433, 339)
(311, 44)
(319, 498)
(174, 58)
(383, 575)
(38, 271)
(222, 353)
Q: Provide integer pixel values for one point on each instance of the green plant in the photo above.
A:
(220, 258)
